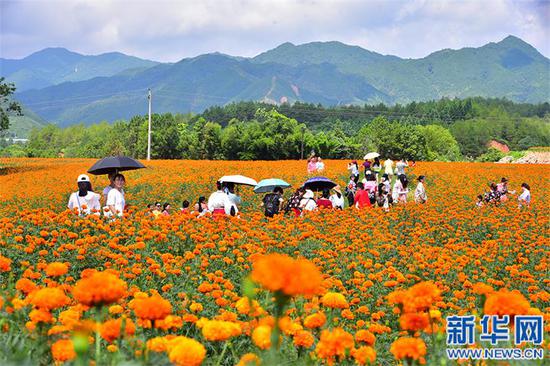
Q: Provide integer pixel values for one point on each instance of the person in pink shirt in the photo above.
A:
(371, 186)
(312, 165)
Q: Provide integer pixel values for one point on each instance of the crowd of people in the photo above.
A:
(498, 193)
(375, 189)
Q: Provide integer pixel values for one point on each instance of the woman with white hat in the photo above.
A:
(85, 200)
(308, 202)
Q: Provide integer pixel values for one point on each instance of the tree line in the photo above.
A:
(447, 130)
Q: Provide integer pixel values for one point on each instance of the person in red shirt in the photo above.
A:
(324, 201)
(362, 199)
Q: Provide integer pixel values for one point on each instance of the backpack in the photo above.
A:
(271, 203)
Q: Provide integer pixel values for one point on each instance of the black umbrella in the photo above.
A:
(319, 183)
(114, 164)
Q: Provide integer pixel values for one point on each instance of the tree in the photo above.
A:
(440, 143)
(7, 106)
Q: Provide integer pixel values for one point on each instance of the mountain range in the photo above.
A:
(65, 87)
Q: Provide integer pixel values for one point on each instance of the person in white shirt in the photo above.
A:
(85, 200)
(337, 198)
(400, 190)
(388, 168)
(308, 202)
(524, 198)
(400, 167)
(234, 200)
(115, 198)
(111, 185)
(218, 200)
(320, 165)
(420, 195)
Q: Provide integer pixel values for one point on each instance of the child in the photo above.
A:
(185, 206)
(525, 196)
(479, 202)
(420, 195)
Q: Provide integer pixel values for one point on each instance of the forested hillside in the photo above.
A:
(437, 130)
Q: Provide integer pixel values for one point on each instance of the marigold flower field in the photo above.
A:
(332, 287)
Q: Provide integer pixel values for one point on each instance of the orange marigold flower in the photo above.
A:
(219, 330)
(303, 338)
(48, 298)
(69, 317)
(316, 320)
(40, 316)
(151, 308)
(157, 344)
(414, 321)
(249, 359)
(279, 272)
(482, 289)
(170, 321)
(111, 329)
(56, 269)
(25, 285)
(334, 343)
(334, 300)
(261, 336)
(364, 335)
(408, 348)
(196, 307)
(364, 355)
(99, 288)
(187, 352)
(5, 264)
(115, 309)
(246, 306)
(504, 302)
(63, 350)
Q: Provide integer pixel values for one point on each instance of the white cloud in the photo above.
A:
(170, 30)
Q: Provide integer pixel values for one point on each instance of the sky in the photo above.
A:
(168, 30)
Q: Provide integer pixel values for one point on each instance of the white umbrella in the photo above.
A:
(238, 179)
(371, 155)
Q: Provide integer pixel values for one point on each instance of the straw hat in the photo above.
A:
(337, 189)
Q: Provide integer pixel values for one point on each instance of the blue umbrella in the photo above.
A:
(319, 183)
(268, 185)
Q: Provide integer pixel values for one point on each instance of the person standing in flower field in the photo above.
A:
(312, 165)
(85, 199)
(524, 198)
(319, 165)
(217, 201)
(400, 167)
(361, 199)
(272, 202)
(111, 185)
(400, 189)
(376, 168)
(115, 199)
(420, 195)
(388, 168)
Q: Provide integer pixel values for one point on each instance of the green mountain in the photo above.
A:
(20, 126)
(510, 68)
(53, 66)
(330, 73)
